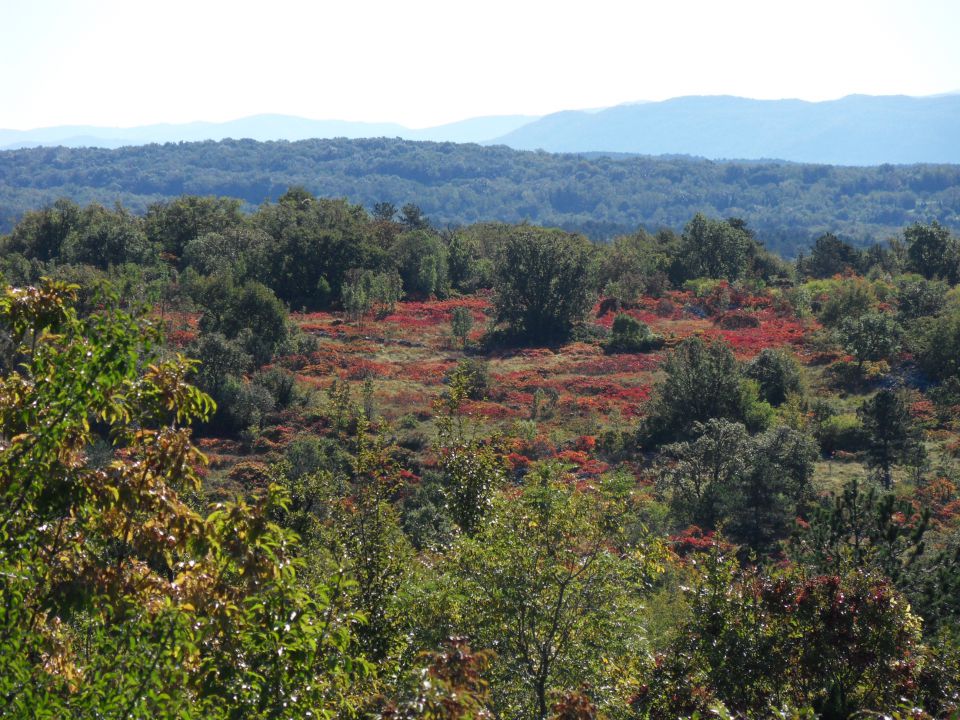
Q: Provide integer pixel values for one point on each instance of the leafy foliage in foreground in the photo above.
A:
(833, 644)
(119, 599)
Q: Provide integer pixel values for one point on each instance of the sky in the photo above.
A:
(420, 63)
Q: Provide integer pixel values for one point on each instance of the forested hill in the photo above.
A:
(786, 204)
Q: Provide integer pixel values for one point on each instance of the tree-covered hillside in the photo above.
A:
(787, 204)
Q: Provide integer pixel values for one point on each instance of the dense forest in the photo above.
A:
(599, 195)
(315, 459)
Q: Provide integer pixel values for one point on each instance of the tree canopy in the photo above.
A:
(541, 283)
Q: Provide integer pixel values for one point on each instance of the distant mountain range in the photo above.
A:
(258, 127)
(855, 130)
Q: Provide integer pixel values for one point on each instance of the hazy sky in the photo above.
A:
(426, 62)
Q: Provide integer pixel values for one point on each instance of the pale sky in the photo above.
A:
(427, 62)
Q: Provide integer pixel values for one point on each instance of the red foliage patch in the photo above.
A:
(431, 373)
(435, 313)
(614, 364)
(181, 338)
(695, 540)
(586, 465)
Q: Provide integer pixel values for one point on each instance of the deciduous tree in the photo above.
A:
(542, 284)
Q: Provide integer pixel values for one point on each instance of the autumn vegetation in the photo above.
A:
(316, 461)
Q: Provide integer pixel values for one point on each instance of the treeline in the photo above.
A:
(314, 253)
(600, 196)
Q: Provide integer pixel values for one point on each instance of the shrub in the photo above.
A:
(841, 433)
(778, 374)
(478, 377)
(738, 320)
(632, 336)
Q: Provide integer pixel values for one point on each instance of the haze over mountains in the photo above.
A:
(855, 130)
(259, 127)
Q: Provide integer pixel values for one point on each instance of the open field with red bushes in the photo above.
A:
(550, 402)
(547, 402)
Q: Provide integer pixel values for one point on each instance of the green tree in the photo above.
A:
(250, 313)
(41, 234)
(174, 224)
(549, 586)
(778, 373)
(938, 346)
(832, 256)
(421, 258)
(355, 298)
(932, 252)
(386, 290)
(862, 528)
(917, 298)
(472, 467)
(698, 476)
(461, 322)
(702, 381)
(873, 336)
(634, 264)
(353, 528)
(241, 252)
(464, 263)
(104, 239)
(384, 211)
(365, 291)
(753, 486)
(849, 298)
(542, 285)
(412, 217)
(777, 488)
(892, 435)
(371, 543)
(254, 309)
(219, 359)
(316, 241)
(714, 249)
